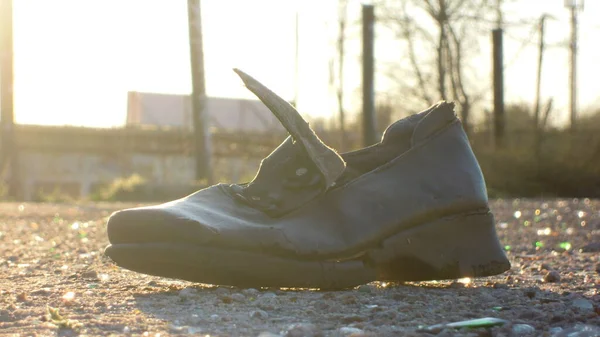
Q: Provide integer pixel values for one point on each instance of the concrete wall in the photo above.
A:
(75, 159)
(77, 174)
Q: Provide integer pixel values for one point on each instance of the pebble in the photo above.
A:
(176, 329)
(522, 329)
(352, 318)
(388, 315)
(268, 295)
(348, 299)
(579, 330)
(310, 312)
(195, 320)
(598, 268)
(530, 292)
(583, 304)
(41, 292)
(456, 285)
(552, 276)
(267, 301)
(303, 330)
(328, 296)
(486, 298)
(322, 306)
(555, 330)
(531, 314)
(187, 292)
(250, 292)
(348, 330)
(5, 316)
(260, 314)
(192, 330)
(544, 266)
(500, 285)
(446, 333)
(237, 297)
(367, 288)
(90, 274)
(221, 291)
(268, 334)
(225, 299)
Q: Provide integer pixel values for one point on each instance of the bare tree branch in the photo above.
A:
(453, 32)
(412, 54)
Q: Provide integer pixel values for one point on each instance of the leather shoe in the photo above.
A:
(412, 207)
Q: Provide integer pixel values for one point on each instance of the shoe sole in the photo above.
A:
(453, 247)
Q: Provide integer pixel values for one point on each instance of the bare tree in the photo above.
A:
(451, 28)
(342, 21)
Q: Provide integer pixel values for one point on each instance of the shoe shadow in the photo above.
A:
(382, 308)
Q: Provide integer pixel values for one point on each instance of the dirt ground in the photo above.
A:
(54, 280)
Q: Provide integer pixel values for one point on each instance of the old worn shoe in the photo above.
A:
(411, 207)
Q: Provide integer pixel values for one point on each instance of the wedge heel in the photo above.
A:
(459, 246)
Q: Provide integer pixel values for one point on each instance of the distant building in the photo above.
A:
(228, 114)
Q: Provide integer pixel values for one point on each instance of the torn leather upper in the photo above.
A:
(286, 180)
(300, 169)
(327, 161)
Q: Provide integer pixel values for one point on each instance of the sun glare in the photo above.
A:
(76, 60)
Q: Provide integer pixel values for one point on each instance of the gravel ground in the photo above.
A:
(54, 280)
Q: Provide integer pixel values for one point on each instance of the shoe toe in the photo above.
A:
(155, 225)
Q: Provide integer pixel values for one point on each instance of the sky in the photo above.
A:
(75, 60)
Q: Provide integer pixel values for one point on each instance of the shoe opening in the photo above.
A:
(397, 139)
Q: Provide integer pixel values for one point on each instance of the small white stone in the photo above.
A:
(176, 328)
(522, 329)
(302, 330)
(194, 330)
(555, 330)
(268, 334)
(348, 330)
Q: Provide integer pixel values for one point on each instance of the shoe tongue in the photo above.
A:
(328, 161)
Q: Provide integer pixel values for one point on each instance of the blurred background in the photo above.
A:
(136, 100)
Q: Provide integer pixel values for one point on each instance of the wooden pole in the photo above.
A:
(8, 151)
(536, 118)
(342, 12)
(539, 74)
(498, 69)
(574, 6)
(199, 115)
(368, 73)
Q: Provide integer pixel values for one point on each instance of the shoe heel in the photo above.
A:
(464, 245)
